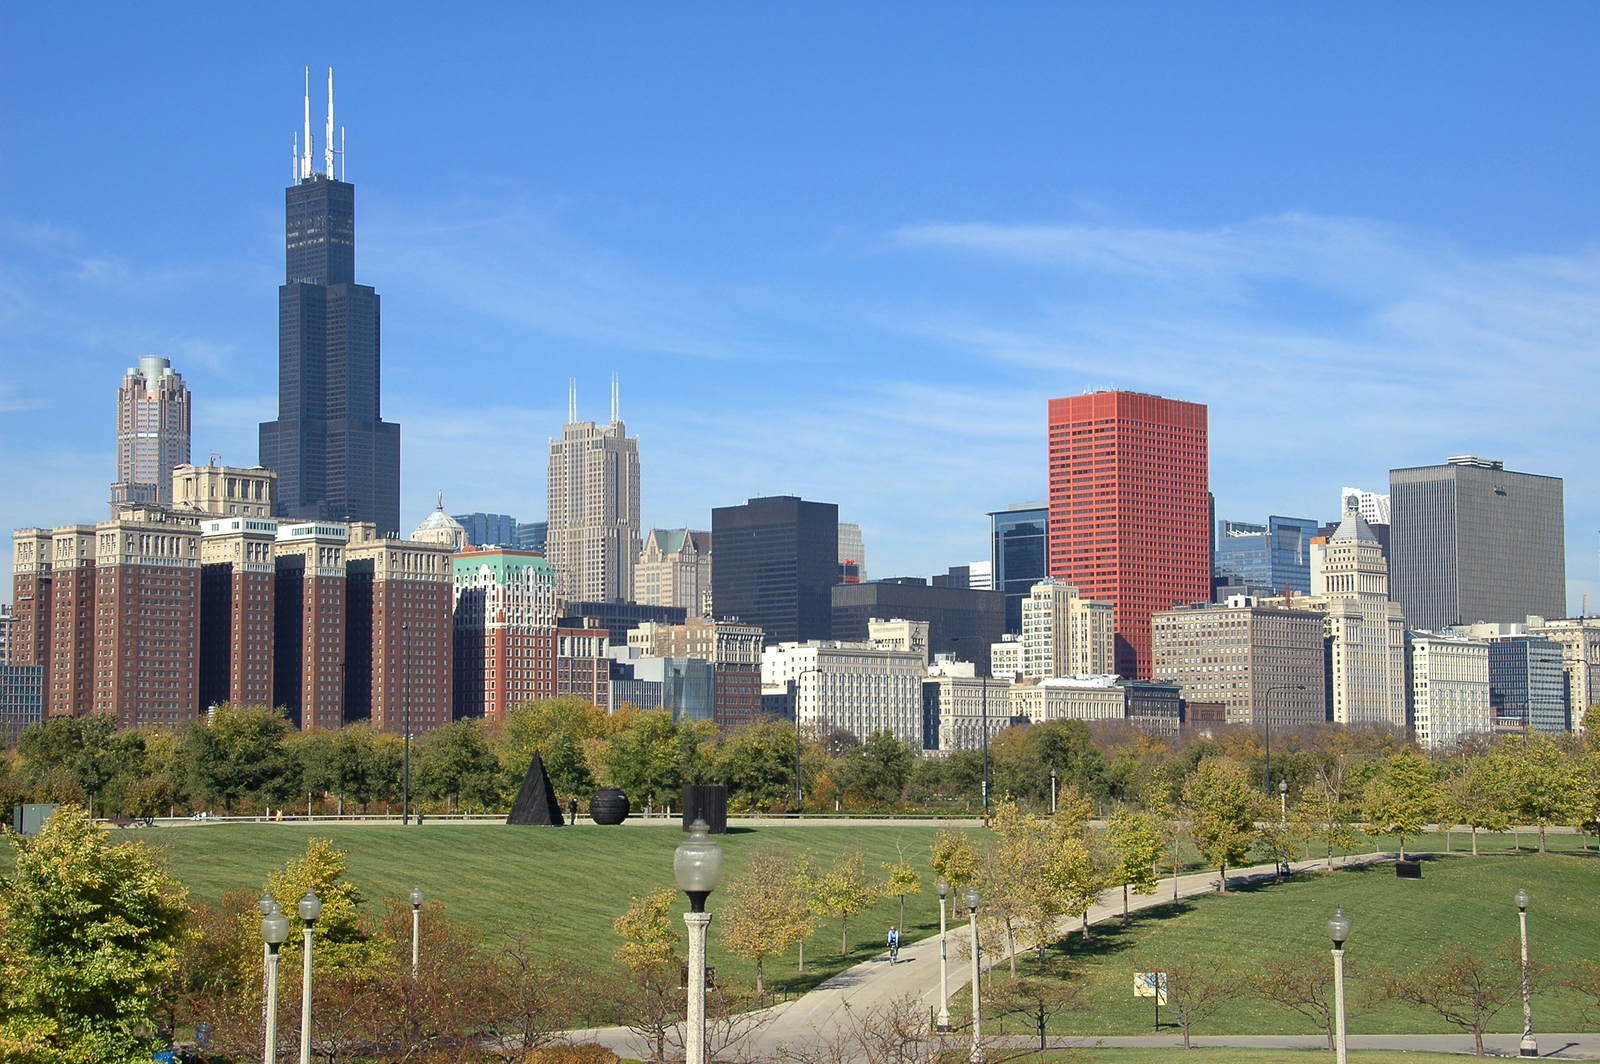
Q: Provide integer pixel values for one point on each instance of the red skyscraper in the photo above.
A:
(1129, 516)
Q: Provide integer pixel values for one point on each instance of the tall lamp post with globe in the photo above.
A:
(415, 897)
(1530, 1044)
(1338, 931)
(310, 908)
(943, 1022)
(976, 1056)
(274, 929)
(697, 865)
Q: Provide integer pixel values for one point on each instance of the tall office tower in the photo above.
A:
(593, 538)
(398, 643)
(777, 562)
(335, 456)
(309, 593)
(1129, 508)
(1447, 678)
(21, 699)
(1472, 542)
(1262, 663)
(238, 585)
(70, 680)
(1366, 631)
(225, 490)
(1579, 639)
(489, 530)
(673, 569)
(152, 433)
(531, 535)
(961, 622)
(1527, 688)
(147, 632)
(1275, 555)
(505, 631)
(852, 552)
(1019, 553)
(1064, 635)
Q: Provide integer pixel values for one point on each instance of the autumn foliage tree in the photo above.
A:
(764, 911)
(845, 890)
(1221, 800)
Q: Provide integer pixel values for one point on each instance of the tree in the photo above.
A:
(90, 934)
(1197, 988)
(1136, 842)
(845, 890)
(341, 942)
(1041, 996)
(1477, 797)
(764, 911)
(455, 763)
(1302, 983)
(877, 770)
(531, 999)
(1583, 977)
(1222, 800)
(240, 753)
(903, 880)
(1540, 780)
(650, 954)
(1460, 987)
(757, 763)
(955, 858)
(649, 938)
(643, 756)
(562, 730)
(1402, 798)
(1023, 758)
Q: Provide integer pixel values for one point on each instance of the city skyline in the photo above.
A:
(1002, 291)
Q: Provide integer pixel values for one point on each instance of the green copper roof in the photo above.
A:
(507, 565)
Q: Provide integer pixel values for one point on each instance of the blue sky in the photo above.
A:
(841, 251)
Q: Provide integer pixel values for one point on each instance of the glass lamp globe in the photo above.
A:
(416, 897)
(944, 887)
(1523, 899)
(274, 928)
(697, 864)
(1283, 786)
(310, 906)
(1339, 928)
(267, 904)
(972, 898)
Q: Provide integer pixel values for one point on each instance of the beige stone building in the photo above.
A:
(674, 569)
(1579, 639)
(225, 490)
(1262, 662)
(900, 634)
(593, 538)
(1448, 676)
(1092, 698)
(1065, 635)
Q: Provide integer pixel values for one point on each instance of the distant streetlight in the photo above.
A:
(976, 1056)
(697, 865)
(1267, 720)
(1339, 930)
(310, 908)
(416, 925)
(274, 929)
(405, 720)
(268, 905)
(943, 1023)
(1530, 1045)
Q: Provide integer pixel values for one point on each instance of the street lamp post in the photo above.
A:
(274, 929)
(1283, 803)
(1339, 930)
(416, 926)
(1267, 721)
(268, 905)
(943, 1023)
(1530, 1045)
(976, 1056)
(310, 908)
(697, 865)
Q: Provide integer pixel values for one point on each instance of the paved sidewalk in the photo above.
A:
(1558, 1046)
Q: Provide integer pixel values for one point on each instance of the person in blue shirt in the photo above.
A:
(894, 944)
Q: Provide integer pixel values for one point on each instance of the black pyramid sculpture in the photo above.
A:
(536, 799)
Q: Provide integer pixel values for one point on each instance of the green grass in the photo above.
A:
(1397, 924)
(1229, 1055)
(570, 882)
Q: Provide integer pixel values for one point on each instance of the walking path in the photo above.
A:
(875, 984)
(1559, 1046)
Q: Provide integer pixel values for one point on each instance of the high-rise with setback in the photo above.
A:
(335, 456)
(153, 420)
(1129, 508)
(593, 536)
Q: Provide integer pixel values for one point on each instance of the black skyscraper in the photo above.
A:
(776, 561)
(335, 456)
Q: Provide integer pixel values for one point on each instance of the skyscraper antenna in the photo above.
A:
(572, 400)
(615, 400)
(294, 160)
(327, 140)
(341, 153)
(305, 165)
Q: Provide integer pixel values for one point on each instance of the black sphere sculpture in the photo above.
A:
(609, 806)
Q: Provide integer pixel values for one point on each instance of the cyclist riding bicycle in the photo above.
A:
(894, 944)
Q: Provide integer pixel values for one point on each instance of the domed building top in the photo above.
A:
(440, 527)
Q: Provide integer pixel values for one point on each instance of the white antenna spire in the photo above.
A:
(305, 162)
(294, 160)
(327, 141)
(341, 153)
(615, 400)
(572, 400)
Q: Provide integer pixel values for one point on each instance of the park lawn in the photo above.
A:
(1396, 924)
(1223, 1055)
(570, 883)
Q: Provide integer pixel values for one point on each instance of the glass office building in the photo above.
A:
(1018, 553)
(1276, 554)
(1527, 687)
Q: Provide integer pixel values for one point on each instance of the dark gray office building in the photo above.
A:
(499, 530)
(1470, 541)
(1019, 554)
(776, 562)
(335, 456)
(961, 621)
(1527, 686)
